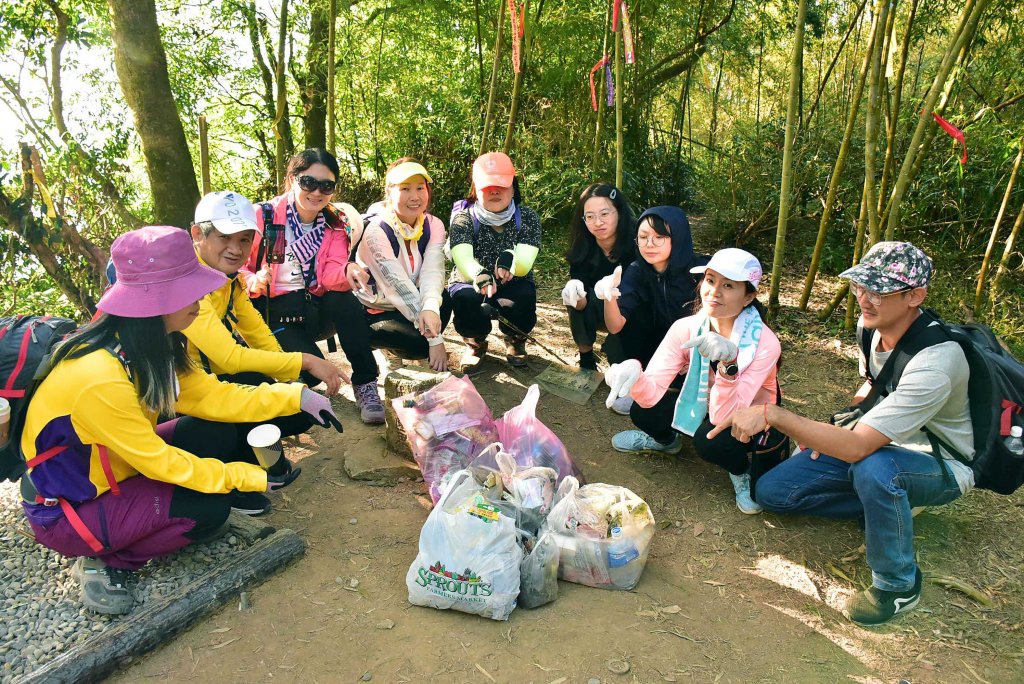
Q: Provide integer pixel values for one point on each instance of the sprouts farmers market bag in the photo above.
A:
(469, 558)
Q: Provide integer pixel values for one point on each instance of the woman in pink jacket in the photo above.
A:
(729, 360)
(300, 276)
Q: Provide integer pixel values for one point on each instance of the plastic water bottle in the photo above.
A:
(624, 567)
(1014, 443)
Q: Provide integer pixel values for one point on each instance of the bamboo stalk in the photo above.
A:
(517, 85)
(1004, 263)
(204, 154)
(618, 107)
(489, 116)
(795, 68)
(332, 39)
(979, 295)
(871, 125)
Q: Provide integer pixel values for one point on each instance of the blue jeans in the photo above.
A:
(883, 488)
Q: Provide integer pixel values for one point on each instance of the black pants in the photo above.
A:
(585, 325)
(725, 451)
(392, 331)
(206, 439)
(295, 424)
(472, 322)
(341, 313)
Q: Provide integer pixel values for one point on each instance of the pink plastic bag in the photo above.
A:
(531, 442)
(447, 426)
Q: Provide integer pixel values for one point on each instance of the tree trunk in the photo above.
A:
(979, 290)
(835, 59)
(871, 124)
(332, 67)
(517, 85)
(713, 124)
(495, 65)
(795, 67)
(281, 150)
(894, 111)
(318, 64)
(973, 9)
(837, 171)
(142, 71)
(479, 45)
(204, 154)
(618, 106)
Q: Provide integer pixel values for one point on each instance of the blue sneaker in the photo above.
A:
(744, 502)
(639, 442)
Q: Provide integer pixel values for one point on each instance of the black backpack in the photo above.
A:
(25, 346)
(995, 394)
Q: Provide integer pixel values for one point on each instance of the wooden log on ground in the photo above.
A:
(249, 528)
(156, 624)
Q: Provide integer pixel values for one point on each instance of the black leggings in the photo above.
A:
(205, 439)
(295, 424)
(472, 322)
(724, 450)
(392, 331)
(585, 325)
(340, 313)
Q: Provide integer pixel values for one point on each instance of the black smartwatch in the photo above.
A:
(730, 368)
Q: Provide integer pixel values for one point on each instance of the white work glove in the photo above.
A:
(620, 378)
(607, 288)
(713, 347)
(573, 292)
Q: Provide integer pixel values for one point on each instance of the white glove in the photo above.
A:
(713, 347)
(573, 292)
(607, 288)
(620, 378)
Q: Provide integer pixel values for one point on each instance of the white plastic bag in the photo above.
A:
(468, 556)
(524, 494)
(539, 570)
(603, 533)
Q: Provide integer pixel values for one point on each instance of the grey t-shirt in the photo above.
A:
(932, 391)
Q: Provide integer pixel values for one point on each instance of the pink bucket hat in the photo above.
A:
(157, 273)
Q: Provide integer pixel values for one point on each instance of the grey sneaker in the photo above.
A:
(104, 589)
(622, 405)
(639, 442)
(744, 502)
(371, 410)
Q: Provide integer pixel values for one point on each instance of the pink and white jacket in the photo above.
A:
(755, 384)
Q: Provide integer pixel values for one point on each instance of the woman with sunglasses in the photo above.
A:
(107, 484)
(402, 247)
(300, 275)
(729, 360)
(655, 291)
(494, 242)
(602, 238)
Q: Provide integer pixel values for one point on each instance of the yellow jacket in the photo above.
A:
(207, 336)
(90, 401)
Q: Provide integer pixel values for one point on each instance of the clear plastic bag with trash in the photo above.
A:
(538, 573)
(603, 533)
(526, 494)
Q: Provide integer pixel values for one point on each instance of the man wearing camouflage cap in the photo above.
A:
(873, 461)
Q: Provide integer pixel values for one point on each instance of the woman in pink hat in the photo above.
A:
(727, 359)
(402, 247)
(494, 241)
(106, 483)
(300, 275)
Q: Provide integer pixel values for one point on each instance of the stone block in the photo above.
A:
(397, 383)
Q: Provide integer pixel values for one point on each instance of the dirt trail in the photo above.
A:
(756, 595)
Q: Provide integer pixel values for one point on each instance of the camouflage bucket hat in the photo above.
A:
(891, 266)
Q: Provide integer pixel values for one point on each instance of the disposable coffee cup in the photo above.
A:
(265, 441)
(5, 420)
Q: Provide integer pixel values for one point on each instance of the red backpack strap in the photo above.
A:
(115, 488)
(45, 456)
(8, 391)
(80, 527)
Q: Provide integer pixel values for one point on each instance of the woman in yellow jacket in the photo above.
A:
(105, 482)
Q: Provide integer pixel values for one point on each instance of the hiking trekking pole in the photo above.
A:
(492, 312)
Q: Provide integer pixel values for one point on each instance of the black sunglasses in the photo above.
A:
(309, 184)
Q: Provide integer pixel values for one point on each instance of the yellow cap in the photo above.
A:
(404, 172)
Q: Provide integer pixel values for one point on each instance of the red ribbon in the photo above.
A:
(615, 15)
(593, 91)
(954, 133)
(517, 33)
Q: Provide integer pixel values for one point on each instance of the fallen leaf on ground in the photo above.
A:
(698, 529)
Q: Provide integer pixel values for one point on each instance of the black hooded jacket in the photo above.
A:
(669, 296)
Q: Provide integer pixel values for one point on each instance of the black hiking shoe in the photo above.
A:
(104, 589)
(875, 606)
(588, 361)
(250, 503)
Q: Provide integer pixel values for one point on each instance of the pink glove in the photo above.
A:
(319, 406)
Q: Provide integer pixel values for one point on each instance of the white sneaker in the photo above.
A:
(744, 502)
(639, 442)
(622, 405)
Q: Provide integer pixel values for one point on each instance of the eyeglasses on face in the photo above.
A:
(310, 184)
(651, 239)
(874, 298)
(600, 217)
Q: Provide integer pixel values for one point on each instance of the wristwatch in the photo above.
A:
(730, 368)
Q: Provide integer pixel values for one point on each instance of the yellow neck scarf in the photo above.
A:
(400, 227)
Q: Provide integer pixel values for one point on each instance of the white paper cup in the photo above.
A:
(265, 441)
(5, 420)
